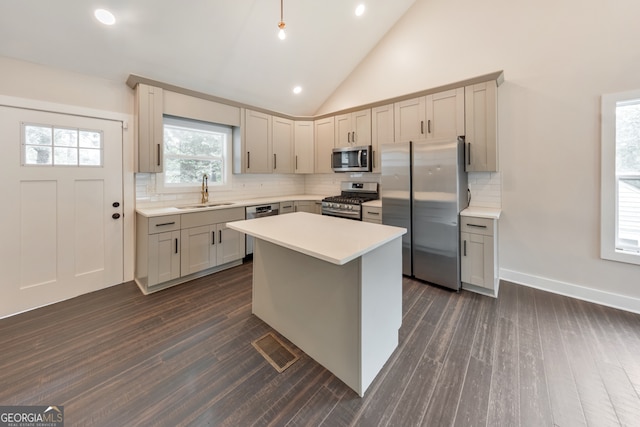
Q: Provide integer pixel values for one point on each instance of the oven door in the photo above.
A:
(351, 159)
(354, 213)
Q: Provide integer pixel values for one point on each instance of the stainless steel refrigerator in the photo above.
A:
(423, 189)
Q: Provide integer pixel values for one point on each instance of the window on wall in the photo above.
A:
(194, 148)
(620, 189)
(47, 145)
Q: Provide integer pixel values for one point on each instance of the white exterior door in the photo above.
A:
(61, 222)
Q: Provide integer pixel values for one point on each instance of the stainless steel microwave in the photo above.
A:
(351, 159)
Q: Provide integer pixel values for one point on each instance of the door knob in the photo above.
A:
(115, 204)
(115, 216)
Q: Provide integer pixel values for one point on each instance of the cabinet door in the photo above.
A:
(481, 112)
(230, 244)
(343, 131)
(409, 118)
(198, 249)
(381, 131)
(305, 206)
(324, 137)
(303, 137)
(282, 143)
(287, 207)
(361, 127)
(445, 114)
(257, 142)
(164, 257)
(149, 135)
(477, 259)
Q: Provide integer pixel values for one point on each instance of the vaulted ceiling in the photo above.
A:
(226, 48)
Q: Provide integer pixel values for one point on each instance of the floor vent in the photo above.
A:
(275, 351)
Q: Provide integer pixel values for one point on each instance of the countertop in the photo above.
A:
(374, 203)
(316, 235)
(226, 204)
(479, 212)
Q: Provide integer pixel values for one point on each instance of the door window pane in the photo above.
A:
(47, 145)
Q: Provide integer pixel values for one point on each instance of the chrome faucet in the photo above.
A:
(205, 189)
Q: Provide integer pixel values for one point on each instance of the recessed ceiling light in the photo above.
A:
(360, 10)
(104, 16)
(297, 90)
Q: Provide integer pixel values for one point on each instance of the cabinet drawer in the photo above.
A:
(160, 224)
(473, 225)
(372, 214)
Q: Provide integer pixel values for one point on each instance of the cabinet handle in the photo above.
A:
(275, 162)
(176, 245)
(248, 159)
(476, 225)
(349, 137)
(465, 248)
(165, 223)
(422, 127)
(373, 153)
(353, 136)
(373, 213)
(158, 154)
(213, 237)
(429, 126)
(469, 153)
(220, 236)
(296, 162)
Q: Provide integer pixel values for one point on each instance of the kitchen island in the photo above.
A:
(332, 286)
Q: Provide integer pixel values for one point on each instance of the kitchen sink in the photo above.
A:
(206, 205)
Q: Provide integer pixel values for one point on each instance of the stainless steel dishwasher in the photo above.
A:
(259, 211)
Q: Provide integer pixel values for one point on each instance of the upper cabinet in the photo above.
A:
(149, 137)
(353, 129)
(434, 116)
(257, 140)
(481, 123)
(282, 140)
(324, 142)
(382, 131)
(303, 146)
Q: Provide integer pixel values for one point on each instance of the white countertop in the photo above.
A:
(180, 209)
(479, 212)
(335, 240)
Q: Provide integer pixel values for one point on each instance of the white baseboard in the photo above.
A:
(608, 299)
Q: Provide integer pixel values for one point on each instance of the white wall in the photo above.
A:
(558, 58)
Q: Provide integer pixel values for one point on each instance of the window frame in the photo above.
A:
(609, 180)
(161, 187)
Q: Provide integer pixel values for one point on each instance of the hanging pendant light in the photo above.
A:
(281, 34)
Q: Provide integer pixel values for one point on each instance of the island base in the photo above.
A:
(346, 317)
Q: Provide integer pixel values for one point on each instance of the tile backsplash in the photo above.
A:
(486, 188)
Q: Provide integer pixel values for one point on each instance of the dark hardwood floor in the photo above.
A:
(183, 356)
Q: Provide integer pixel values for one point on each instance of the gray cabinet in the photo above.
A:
(311, 206)
(303, 146)
(481, 127)
(324, 139)
(282, 145)
(382, 132)
(434, 116)
(479, 262)
(148, 112)
(173, 249)
(157, 250)
(353, 129)
(257, 144)
(372, 214)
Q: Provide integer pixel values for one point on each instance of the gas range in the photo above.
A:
(348, 203)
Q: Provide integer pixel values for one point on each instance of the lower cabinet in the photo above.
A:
(173, 249)
(479, 261)
(311, 206)
(372, 214)
(164, 257)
